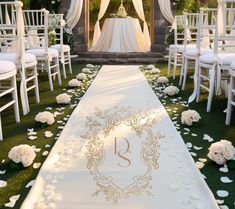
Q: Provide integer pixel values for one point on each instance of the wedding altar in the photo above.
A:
(121, 35)
(123, 152)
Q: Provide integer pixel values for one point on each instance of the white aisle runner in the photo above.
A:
(120, 150)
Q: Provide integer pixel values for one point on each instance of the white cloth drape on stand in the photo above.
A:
(138, 4)
(165, 7)
(74, 13)
(103, 7)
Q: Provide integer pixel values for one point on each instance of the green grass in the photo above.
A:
(14, 134)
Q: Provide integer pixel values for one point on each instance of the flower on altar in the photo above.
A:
(150, 67)
(90, 66)
(81, 76)
(22, 154)
(189, 117)
(86, 70)
(162, 80)
(221, 151)
(155, 71)
(74, 83)
(171, 90)
(45, 118)
(63, 99)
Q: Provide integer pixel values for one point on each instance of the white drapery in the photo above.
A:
(221, 17)
(74, 13)
(138, 4)
(165, 7)
(103, 7)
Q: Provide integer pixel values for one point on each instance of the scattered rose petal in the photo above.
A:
(2, 172)
(32, 138)
(226, 180)
(222, 193)
(30, 184)
(203, 160)
(208, 138)
(12, 202)
(36, 165)
(200, 165)
(197, 148)
(3, 183)
(224, 169)
(48, 134)
(45, 153)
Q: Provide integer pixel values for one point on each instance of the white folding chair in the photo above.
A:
(206, 22)
(36, 26)
(8, 86)
(231, 95)
(176, 50)
(214, 67)
(13, 49)
(57, 23)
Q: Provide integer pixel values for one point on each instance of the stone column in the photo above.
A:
(159, 26)
(81, 30)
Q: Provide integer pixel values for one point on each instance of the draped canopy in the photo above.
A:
(75, 10)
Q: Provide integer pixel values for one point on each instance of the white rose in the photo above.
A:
(171, 90)
(229, 152)
(219, 159)
(150, 67)
(155, 71)
(63, 99)
(81, 76)
(74, 83)
(190, 116)
(217, 148)
(45, 117)
(162, 80)
(90, 66)
(86, 70)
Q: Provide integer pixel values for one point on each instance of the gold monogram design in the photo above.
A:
(104, 123)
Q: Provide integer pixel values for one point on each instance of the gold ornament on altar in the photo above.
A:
(121, 12)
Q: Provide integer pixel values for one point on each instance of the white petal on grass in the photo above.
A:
(203, 160)
(194, 134)
(200, 165)
(3, 183)
(197, 148)
(30, 184)
(33, 133)
(220, 202)
(48, 134)
(208, 138)
(45, 153)
(32, 138)
(189, 145)
(2, 172)
(222, 193)
(224, 207)
(226, 180)
(12, 202)
(224, 169)
(36, 165)
(193, 154)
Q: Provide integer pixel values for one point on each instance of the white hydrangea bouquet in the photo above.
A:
(45, 118)
(221, 152)
(190, 117)
(24, 154)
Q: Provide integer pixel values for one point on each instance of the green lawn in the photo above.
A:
(14, 134)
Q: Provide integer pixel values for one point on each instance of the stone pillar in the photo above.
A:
(159, 26)
(81, 30)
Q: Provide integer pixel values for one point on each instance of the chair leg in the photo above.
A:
(49, 75)
(70, 63)
(24, 92)
(35, 73)
(199, 79)
(211, 89)
(63, 65)
(15, 98)
(175, 64)
(58, 71)
(182, 70)
(169, 63)
(185, 73)
(230, 100)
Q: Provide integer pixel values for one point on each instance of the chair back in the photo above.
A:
(178, 30)
(225, 41)
(56, 24)
(36, 27)
(207, 25)
(11, 28)
(191, 25)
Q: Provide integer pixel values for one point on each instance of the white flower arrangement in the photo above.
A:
(22, 154)
(45, 118)
(189, 117)
(86, 71)
(155, 71)
(162, 80)
(150, 67)
(171, 90)
(81, 76)
(90, 66)
(74, 83)
(221, 151)
(63, 99)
